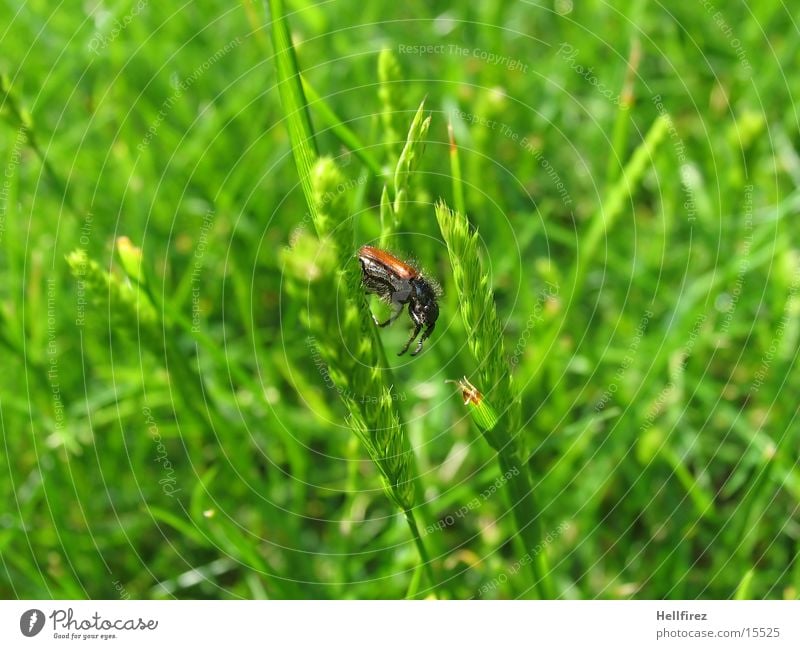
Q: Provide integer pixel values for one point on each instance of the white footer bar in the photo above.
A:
(399, 624)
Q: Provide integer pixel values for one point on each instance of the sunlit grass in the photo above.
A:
(168, 426)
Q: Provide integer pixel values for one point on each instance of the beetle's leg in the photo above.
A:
(414, 334)
(422, 339)
(394, 316)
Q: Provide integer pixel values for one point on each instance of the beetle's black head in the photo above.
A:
(423, 307)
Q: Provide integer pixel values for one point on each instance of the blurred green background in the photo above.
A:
(208, 458)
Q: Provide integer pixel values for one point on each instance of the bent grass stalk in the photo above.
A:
(484, 339)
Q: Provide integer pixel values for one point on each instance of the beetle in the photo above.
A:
(399, 283)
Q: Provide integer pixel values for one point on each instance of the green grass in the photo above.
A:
(204, 409)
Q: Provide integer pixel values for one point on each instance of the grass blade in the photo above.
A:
(293, 99)
(455, 172)
(342, 132)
